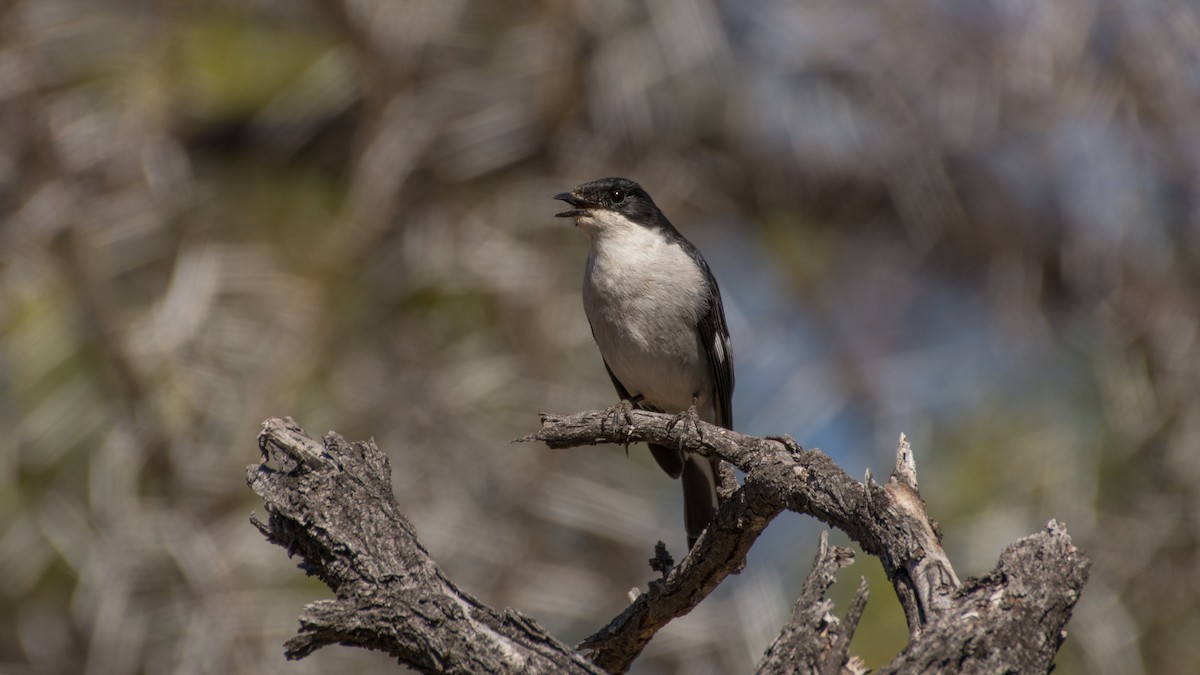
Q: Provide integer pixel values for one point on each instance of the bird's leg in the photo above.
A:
(692, 417)
(622, 412)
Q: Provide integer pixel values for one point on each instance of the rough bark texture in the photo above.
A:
(719, 552)
(1011, 620)
(888, 521)
(814, 640)
(333, 506)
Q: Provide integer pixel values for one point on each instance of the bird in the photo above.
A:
(656, 315)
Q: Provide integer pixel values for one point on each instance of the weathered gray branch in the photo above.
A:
(888, 521)
(814, 640)
(719, 552)
(1011, 620)
(332, 504)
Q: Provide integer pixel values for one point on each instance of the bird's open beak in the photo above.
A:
(582, 206)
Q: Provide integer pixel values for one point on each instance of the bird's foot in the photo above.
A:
(620, 415)
(692, 418)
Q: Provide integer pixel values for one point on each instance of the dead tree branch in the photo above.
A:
(814, 640)
(332, 504)
(888, 521)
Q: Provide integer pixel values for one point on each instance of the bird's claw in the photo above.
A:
(693, 418)
(618, 415)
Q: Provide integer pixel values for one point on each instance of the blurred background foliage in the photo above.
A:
(972, 221)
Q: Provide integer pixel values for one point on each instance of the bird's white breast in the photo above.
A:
(644, 296)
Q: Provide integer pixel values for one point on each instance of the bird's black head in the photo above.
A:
(619, 195)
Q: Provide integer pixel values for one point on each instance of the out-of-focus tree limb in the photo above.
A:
(333, 505)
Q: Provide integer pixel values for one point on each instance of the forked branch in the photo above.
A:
(331, 503)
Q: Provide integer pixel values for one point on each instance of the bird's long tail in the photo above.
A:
(699, 477)
(699, 494)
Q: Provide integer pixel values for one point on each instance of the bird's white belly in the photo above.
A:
(664, 375)
(643, 311)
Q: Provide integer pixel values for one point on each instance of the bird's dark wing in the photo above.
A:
(700, 498)
(621, 390)
(714, 334)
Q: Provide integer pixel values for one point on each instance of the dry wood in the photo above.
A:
(332, 504)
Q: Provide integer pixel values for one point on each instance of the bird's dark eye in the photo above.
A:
(616, 196)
